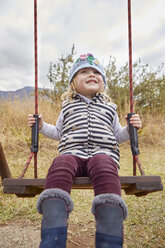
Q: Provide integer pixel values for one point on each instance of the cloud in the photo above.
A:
(97, 26)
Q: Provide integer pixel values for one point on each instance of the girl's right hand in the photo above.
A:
(31, 120)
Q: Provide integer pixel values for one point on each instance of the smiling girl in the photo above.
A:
(89, 132)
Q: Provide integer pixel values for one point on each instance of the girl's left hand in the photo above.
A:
(135, 121)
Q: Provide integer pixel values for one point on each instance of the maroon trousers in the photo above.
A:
(100, 168)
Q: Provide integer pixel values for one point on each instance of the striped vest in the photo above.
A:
(87, 128)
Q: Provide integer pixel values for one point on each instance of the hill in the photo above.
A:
(27, 91)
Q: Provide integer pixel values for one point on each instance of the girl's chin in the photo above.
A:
(92, 87)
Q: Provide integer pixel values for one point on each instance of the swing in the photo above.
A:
(132, 185)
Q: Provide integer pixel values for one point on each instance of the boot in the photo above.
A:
(55, 206)
(109, 210)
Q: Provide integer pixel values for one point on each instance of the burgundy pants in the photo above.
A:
(100, 168)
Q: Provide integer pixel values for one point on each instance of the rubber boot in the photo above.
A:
(109, 210)
(55, 206)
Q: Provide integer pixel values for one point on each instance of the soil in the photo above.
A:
(19, 235)
(27, 235)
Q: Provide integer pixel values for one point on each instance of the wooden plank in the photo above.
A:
(24, 182)
(22, 191)
(125, 180)
(147, 187)
(132, 185)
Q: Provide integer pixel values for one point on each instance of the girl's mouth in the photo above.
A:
(91, 81)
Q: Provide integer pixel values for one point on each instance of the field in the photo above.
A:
(19, 221)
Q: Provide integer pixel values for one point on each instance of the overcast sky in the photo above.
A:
(96, 26)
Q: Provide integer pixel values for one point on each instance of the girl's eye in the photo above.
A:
(97, 72)
(84, 71)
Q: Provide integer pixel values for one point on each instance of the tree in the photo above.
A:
(149, 88)
(148, 83)
(58, 72)
(117, 80)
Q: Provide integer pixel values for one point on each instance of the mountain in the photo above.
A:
(27, 91)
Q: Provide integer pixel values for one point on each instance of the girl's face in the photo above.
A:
(88, 82)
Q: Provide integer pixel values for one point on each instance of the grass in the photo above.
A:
(144, 226)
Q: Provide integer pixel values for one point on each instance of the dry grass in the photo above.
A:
(145, 225)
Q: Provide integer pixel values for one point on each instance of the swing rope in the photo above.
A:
(135, 152)
(36, 78)
(34, 147)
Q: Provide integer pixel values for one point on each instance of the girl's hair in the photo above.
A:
(71, 92)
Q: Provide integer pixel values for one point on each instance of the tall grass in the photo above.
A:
(13, 118)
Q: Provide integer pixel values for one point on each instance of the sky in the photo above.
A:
(99, 27)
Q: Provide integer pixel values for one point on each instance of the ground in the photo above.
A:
(27, 235)
(22, 234)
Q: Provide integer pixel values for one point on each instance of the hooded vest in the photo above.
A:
(87, 128)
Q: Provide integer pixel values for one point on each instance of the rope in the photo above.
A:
(36, 93)
(36, 56)
(135, 157)
(130, 55)
(26, 165)
(36, 76)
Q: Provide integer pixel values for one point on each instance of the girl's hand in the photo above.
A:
(135, 121)
(31, 120)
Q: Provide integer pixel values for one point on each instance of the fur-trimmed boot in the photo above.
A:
(109, 210)
(55, 206)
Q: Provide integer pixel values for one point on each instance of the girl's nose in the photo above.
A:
(91, 73)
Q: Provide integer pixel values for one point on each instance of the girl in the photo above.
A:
(89, 132)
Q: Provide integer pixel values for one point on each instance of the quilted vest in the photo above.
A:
(87, 128)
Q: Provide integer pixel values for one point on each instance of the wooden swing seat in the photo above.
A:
(132, 185)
